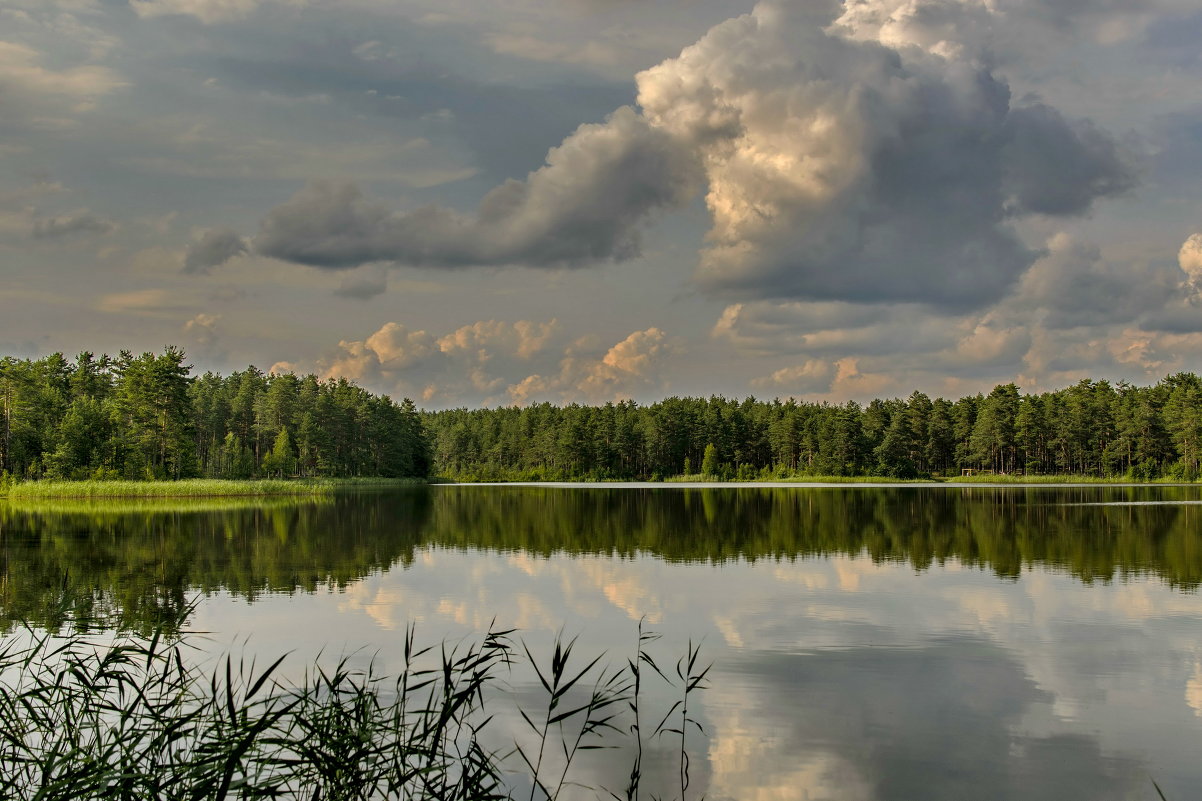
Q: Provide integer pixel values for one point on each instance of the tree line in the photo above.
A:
(1092, 428)
(147, 417)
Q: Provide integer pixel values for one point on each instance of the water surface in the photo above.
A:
(909, 642)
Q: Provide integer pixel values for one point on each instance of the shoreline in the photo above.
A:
(867, 483)
(195, 488)
(281, 488)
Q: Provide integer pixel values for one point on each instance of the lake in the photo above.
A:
(868, 642)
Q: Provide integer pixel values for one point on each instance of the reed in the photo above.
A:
(158, 505)
(195, 488)
(133, 719)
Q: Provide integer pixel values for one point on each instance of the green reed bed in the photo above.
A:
(194, 487)
(99, 505)
(132, 720)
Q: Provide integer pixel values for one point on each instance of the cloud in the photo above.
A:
(1132, 353)
(388, 351)
(1076, 286)
(82, 222)
(948, 28)
(632, 366)
(207, 11)
(1059, 167)
(212, 249)
(811, 376)
(1189, 258)
(842, 163)
(841, 168)
(833, 328)
(20, 71)
(586, 205)
(477, 360)
(396, 347)
(536, 49)
(493, 362)
(141, 300)
(985, 346)
(203, 333)
(628, 367)
(842, 350)
(363, 284)
(37, 97)
(1079, 311)
(523, 338)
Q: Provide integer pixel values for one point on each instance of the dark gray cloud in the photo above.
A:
(1060, 167)
(1076, 286)
(586, 205)
(1182, 317)
(387, 71)
(214, 248)
(70, 225)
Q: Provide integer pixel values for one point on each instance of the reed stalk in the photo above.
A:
(133, 718)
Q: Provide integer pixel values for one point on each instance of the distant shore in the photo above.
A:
(302, 487)
(695, 481)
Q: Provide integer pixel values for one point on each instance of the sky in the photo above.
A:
(502, 203)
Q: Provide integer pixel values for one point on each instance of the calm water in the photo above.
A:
(868, 643)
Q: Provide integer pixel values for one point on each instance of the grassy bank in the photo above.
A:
(194, 488)
(1058, 479)
(131, 720)
(702, 478)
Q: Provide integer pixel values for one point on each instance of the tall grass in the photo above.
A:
(194, 487)
(1067, 478)
(189, 504)
(132, 719)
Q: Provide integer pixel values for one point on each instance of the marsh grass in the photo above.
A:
(158, 505)
(195, 487)
(133, 718)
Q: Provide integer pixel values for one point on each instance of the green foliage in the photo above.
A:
(146, 418)
(280, 461)
(1092, 428)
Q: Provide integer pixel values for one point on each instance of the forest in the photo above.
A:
(148, 417)
(1093, 428)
